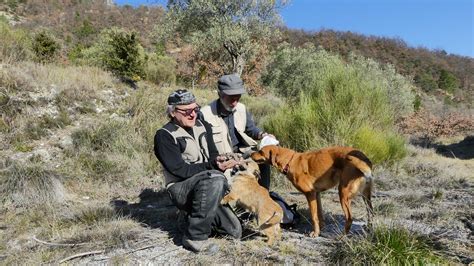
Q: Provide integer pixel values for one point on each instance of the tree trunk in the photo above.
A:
(238, 60)
(238, 63)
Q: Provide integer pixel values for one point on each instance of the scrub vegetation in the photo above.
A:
(82, 94)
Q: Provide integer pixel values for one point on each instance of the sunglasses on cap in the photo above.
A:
(188, 112)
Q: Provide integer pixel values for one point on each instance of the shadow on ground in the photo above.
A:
(463, 150)
(155, 210)
(334, 225)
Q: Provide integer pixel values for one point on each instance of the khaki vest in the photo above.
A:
(220, 132)
(196, 149)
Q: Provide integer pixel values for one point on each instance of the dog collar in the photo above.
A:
(287, 166)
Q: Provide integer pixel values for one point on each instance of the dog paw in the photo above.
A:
(314, 234)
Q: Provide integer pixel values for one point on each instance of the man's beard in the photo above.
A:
(226, 106)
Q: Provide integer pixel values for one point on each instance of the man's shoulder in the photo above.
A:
(168, 128)
(240, 107)
(209, 109)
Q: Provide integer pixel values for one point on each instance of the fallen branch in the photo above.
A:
(82, 255)
(57, 244)
(163, 253)
(142, 248)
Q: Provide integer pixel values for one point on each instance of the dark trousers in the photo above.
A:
(265, 172)
(200, 197)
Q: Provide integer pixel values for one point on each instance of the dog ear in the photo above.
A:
(272, 156)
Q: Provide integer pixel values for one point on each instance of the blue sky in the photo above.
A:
(434, 24)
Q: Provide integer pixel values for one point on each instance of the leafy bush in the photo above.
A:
(426, 82)
(334, 103)
(447, 81)
(118, 51)
(161, 69)
(15, 44)
(386, 246)
(45, 47)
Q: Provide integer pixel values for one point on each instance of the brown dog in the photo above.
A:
(316, 171)
(256, 199)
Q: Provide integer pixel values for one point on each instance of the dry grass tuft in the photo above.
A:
(390, 245)
(30, 184)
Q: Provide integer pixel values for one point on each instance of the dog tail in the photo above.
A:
(361, 162)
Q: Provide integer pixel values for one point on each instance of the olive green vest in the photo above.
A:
(196, 150)
(220, 132)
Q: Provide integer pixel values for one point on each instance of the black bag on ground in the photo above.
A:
(290, 216)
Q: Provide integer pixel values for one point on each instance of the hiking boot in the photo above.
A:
(200, 245)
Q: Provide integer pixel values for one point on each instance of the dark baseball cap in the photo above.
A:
(181, 97)
(231, 85)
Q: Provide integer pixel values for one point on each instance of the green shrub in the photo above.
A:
(118, 51)
(336, 103)
(380, 146)
(85, 30)
(75, 53)
(386, 246)
(426, 82)
(45, 47)
(161, 69)
(447, 81)
(417, 103)
(15, 44)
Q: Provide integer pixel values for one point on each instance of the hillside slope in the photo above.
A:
(78, 177)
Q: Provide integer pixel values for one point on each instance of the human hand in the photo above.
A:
(224, 165)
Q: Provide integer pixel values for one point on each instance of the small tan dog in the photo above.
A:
(254, 198)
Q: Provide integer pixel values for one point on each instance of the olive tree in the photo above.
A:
(222, 30)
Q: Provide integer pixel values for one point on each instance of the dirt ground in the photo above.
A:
(431, 193)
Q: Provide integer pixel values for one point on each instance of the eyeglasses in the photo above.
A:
(188, 112)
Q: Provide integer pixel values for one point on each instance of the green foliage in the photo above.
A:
(417, 103)
(161, 69)
(334, 103)
(45, 47)
(426, 82)
(420, 63)
(75, 53)
(219, 30)
(386, 246)
(118, 51)
(85, 30)
(15, 44)
(380, 146)
(447, 81)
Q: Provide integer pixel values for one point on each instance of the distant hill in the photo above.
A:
(429, 69)
(77, 22)
(80, 20)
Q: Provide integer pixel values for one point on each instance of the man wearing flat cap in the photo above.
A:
(234, 130)
(193, 173)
